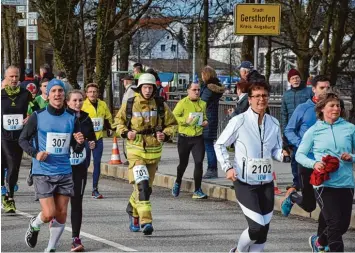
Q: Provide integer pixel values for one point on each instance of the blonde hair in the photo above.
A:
(208, 73)
(93, 85)
(75, 92)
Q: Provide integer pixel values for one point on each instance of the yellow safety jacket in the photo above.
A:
(184, 108)
(98, 115)
(145, 122)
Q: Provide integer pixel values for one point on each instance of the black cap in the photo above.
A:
(28, 72)
(128, 77)
(137, 64)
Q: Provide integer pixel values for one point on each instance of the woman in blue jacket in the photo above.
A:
(211, 92)
(331, 135)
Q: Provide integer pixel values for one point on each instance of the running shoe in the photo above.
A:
(31, 234)
(16, 187)
(29, 179)
(233, 250)
(3, 190)
(9, 205)
(199, 194)
(313, 244)
(297, 188)
(76, 245)
(134, 223)
(96, 195)
(176, 189)
(286, 204)
(147, 229)
(49, 250)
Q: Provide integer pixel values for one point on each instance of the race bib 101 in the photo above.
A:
(12, 122)
(77, 158)
(98, 124)
(140, 173)
(58, 143)
(260, 169)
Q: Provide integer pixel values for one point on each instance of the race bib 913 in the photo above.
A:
(58, 143)
(12, 122)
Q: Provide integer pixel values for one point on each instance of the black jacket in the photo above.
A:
(21, 101)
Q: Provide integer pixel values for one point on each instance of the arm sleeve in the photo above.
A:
(227, 137)
(206, 95)
(170, 123)
(179, 114)
(204, 112)
(304, 148)
(91, 134)
(353, 143)
(292, 128)
(277, 150)
(108, 117)
(76, 146)
(121, 121)
(28, 133)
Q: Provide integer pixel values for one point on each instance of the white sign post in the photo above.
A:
(13, 2)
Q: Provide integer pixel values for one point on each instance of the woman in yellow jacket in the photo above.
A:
(190, 113)
(100, 116)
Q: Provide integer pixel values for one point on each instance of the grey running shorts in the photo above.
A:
(48, 186)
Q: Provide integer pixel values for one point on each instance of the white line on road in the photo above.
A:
(93, 237)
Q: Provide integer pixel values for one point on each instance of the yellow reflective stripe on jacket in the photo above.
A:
(102, 111)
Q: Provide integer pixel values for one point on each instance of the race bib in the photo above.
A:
(260, 169)
(13, 122)
(58, 143)
(77, 158)
(140, 173)
(197, 118)
(98, 124)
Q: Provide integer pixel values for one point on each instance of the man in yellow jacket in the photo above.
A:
(101, 117)
(190, 113)
(146, 123)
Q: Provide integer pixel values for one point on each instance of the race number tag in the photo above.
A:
(140, 173)
(77, 158)
(197, 118)
(260, 169)
(98, 124)
(13, 122)
(58, 143)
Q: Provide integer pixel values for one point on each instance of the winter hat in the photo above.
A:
(53, 83)
(293, 72)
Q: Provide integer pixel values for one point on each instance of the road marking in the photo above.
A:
(92, 237)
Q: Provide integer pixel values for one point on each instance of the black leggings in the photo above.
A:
(11, 156)
(196, 146)
(79, 178)
(307, 201)
(257, 202)
(336, 207)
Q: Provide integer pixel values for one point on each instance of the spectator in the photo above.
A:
(137, 71)
(211, 92)
(245, 68)
(30, 83)
(298, 94)
(128, 85)
(242, 104)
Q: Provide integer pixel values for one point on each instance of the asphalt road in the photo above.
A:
(181, 224)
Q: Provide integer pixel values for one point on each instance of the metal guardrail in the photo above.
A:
(223, 117)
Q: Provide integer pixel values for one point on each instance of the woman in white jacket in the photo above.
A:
(257, 140)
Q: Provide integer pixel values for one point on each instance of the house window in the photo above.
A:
(173, 48)
(162, 48)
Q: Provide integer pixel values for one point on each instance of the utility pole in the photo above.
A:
(256, 47)
(27, 41)
(194, 46)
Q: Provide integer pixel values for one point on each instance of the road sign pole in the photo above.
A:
(27, 41)
(256, 48)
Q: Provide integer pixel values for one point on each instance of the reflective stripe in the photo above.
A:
(257, 217)
(145, 114)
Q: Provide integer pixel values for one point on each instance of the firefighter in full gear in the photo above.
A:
(146, 121)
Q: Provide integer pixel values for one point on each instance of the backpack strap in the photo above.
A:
(159, 101)
(129, 109)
